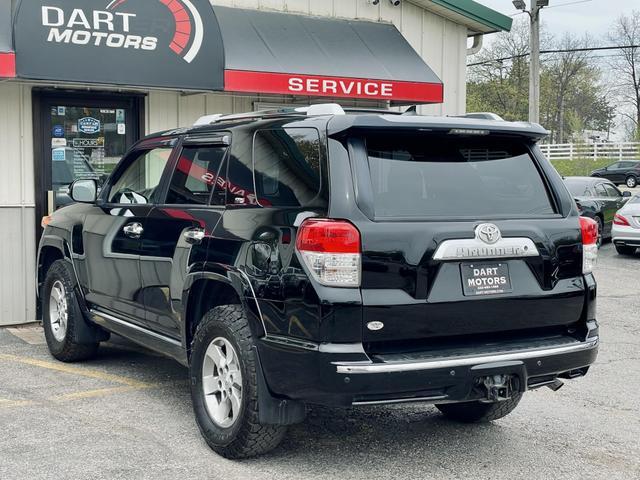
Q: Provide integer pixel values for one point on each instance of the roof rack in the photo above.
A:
(482, 116)
(310, 111)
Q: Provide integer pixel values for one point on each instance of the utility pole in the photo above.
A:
(534, 66)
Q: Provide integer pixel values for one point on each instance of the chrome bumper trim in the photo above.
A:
(396, 367)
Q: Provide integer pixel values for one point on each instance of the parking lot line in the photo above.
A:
(100, 392)
(6, 403)
(82, 372)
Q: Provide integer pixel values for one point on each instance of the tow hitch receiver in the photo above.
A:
(498, 387)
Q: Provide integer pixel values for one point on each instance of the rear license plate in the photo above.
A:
(485, 278)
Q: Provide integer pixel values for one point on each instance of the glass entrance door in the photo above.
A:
(86, 142)
(82, 136)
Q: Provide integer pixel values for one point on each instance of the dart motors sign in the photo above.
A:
(161, 43)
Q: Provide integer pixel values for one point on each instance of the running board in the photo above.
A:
(143, 336)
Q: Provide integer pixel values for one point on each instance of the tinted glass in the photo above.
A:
(614, 166)
(196, 175)
(600, 191)
(578, 189)
(287, 166)
(139, 181)
(424, 175)
(612, 191)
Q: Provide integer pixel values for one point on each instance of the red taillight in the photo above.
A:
(331, 251)
(620, 220)
(589, 230)
(328, 236)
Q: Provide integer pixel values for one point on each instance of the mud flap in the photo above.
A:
(275, 411)
(85, 333)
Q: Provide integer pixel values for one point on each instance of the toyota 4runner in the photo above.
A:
(313, 256)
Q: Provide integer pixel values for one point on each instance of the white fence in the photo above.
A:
(596, 151)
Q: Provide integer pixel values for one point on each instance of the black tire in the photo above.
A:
(625, 250)
(64, 349)
(631, 181)
(478, 412)
(247, 437)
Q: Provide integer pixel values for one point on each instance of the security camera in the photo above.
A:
(395, 3)
(374, 2)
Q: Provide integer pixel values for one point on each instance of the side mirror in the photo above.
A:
(84, 191)
(626, 193)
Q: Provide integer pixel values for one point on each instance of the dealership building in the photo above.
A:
(82, 80)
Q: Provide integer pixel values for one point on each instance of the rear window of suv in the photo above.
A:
(436, 175)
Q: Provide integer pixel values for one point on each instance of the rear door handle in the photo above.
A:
(133, 230)
(194, 236)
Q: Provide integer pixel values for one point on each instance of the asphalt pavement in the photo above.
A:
(127, 415)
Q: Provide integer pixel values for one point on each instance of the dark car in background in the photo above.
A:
(599, 199)
(621, 173)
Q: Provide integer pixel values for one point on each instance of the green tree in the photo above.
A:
(626, 65)
(573, 98)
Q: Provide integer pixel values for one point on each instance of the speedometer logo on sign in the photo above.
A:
(488, 233)
(117, 29)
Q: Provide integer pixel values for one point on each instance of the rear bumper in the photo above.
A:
(623, 235)
(349, 377)
(443, 363)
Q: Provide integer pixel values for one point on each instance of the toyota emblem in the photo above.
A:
(488, 233)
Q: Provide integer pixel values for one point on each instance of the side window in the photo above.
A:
(196, 176)
(612, 191)
(600, 191)
(138, 183)
(286, 165)
(614, 166)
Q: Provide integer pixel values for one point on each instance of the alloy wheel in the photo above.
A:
(222, 382)
(632, 182)
(58, 311)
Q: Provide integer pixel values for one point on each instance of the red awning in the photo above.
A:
(278, 53)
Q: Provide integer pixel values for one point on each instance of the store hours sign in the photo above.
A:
(163, 43)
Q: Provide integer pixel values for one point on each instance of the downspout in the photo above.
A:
(477, 45)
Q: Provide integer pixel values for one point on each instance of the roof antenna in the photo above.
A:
(412, 111)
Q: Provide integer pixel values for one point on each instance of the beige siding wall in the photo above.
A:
(17, 221)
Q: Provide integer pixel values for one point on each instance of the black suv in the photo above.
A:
(310, 256)
(621, 173)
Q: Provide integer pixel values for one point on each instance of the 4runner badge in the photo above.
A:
(488, 233)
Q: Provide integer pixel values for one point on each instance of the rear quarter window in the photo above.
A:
(436, 175)
(287, 171)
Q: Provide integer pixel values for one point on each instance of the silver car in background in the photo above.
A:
(625, 232)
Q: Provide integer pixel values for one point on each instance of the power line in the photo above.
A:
(567, 4)
(562, 50)
(554, 6)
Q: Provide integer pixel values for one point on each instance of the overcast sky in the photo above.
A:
(578, 17)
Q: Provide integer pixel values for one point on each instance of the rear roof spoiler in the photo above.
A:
(454, 125)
